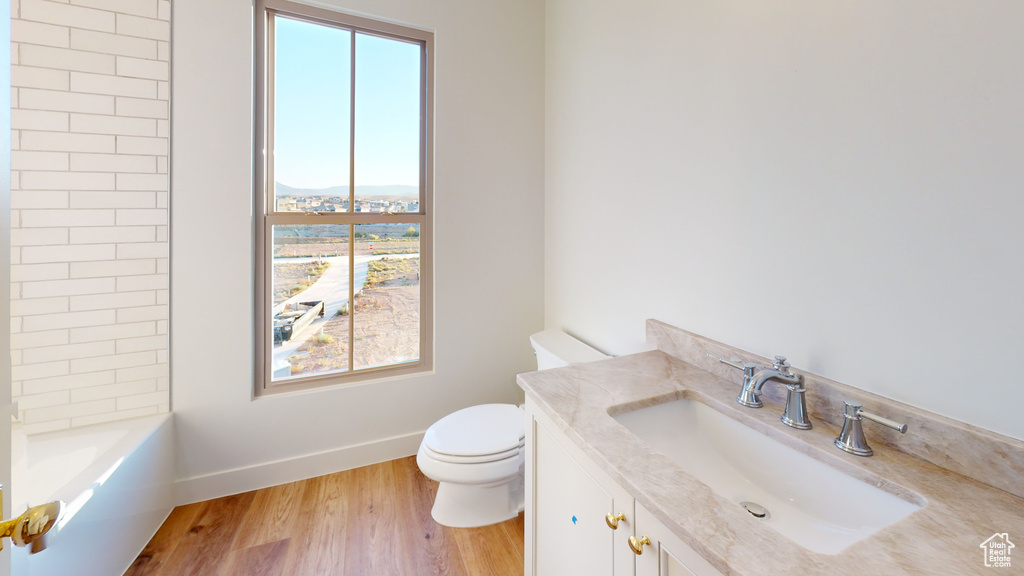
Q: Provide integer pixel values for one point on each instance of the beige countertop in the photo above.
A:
(943, 537)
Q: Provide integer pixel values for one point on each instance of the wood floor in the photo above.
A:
(367, 521)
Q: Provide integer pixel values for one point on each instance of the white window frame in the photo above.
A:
(264, 204)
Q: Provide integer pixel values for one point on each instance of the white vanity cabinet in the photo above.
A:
(567, 500)
(568, 497)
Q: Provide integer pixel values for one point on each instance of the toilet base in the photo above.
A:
(470, 506)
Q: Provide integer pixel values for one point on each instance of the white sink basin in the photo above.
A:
(809, 502)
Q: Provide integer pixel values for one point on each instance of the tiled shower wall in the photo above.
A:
(89, 141)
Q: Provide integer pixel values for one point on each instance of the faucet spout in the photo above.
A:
(795, 415)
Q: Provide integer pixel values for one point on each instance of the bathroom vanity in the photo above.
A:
(650, 453)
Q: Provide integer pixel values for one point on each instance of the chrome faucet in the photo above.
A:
(852, 439)
(754, 379)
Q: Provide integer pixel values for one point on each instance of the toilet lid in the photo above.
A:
(478, 430)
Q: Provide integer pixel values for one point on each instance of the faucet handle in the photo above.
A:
(748, 368)
(851, 438)
(781, 365)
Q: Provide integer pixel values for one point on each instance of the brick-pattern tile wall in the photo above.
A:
(89, 285)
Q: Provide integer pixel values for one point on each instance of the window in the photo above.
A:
(342, 198)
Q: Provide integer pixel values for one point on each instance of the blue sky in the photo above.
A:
(312, 97)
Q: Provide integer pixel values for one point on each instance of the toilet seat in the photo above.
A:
(481, 459)
(482, 433)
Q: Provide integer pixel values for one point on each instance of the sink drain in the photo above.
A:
(756, 510)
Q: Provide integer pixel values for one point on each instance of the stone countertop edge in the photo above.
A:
(943, 537)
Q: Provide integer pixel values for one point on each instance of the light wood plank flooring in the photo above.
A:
(367, 521)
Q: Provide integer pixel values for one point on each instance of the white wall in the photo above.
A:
(837, 182)
(89, 221)
(488, 247)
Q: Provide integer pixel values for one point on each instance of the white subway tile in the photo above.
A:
(67, 15)
(163, 296)
(113, 390)
(33, 306)
(114, 416)
(29, 272)
(112, 268)
(45, 120)
(141, 107)
(46, 288)
(68, 253)
(163, 51)
(113, 301)
(147, 8)
(156, 182)
(143, 27)
(39, 237)
(113, 199)
(98, 124)
(84, 162)
(47, 426)
(69, 352)
(54, 100)
(16, 325)
(163, 383)
(135, 283)
(31, 371)
(164, 10)
(66, 59)
(142, 250)
(37, 339)
(56, 398)
(141, 145)
(141, 217)
(35, 160)
(161, 233)
(142, 372)
(39, 415)
(28, 32)
(163, 90)
(15, 51)
(161, 199)
(55, 218)
(67, 142)
(33, 77)
(70, 382)
(142, 313)
(162, 356)
(141, 344)
(142, 68)
(112, 332)
(161, 164)
(38, 199)
(163, 128)
(69, 320)
(112, 85)
(31, 180)
(161, 326)
(112, 362)
(141, 400)
(113, 234)
(113, 44)
(163, 265)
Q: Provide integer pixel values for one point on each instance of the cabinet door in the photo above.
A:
(666, 555)
(570, 535)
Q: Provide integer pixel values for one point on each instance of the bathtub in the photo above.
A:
(116, 480)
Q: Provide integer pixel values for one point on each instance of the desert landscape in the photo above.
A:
(385, 322)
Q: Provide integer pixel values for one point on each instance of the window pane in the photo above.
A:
(310, 300)
(387, 307)
(312, 109)
(387, 121)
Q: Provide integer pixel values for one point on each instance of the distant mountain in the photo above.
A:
(392, 190)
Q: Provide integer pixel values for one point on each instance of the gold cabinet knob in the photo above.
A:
(613, 519)
(637, 546)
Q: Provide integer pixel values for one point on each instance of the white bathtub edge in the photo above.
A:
(238, 480)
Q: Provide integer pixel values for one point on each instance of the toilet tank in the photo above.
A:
(555, 348)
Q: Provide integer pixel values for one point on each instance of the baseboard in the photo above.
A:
(237, 480)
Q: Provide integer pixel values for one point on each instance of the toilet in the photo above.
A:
(477, 454)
